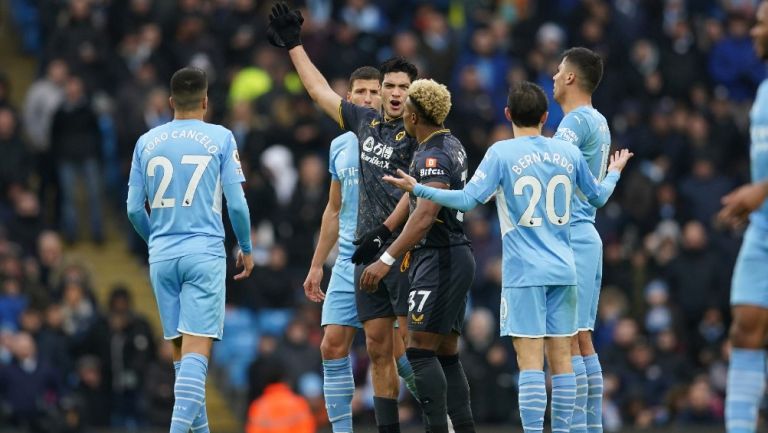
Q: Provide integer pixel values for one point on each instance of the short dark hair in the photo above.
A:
(589, 67)
(399, 64)
(526, 102)
(188, 88)
(364, 73)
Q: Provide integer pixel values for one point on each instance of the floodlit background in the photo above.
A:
(80, 80)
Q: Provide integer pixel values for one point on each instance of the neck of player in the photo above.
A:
(189, 115)
(575, 101)
(423, 133)
(526, 131)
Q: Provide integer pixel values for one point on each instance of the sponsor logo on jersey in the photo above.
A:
(431, 162)
(417, 318)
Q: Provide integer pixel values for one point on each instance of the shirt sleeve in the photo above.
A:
(597, 192)
(433, 166)
(136, 177)
(351, 116)
(572, 129)
(486, 179)
(231, 170)
(454, 199)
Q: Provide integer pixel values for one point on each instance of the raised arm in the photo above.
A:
(329, 234)
(598, 193)
(284, 31)
(315, 83)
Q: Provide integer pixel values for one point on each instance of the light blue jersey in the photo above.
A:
(339, 307)
(344, 166)
(534, 179)
(588, 130)
(758, 151)
(182, 167)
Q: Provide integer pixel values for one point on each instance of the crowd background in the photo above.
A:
(679, 80)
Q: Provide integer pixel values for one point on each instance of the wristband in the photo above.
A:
(387, 259)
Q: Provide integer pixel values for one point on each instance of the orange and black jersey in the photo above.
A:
(441, 158)
(384, 148)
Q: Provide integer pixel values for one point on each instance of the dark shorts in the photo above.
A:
(440, 283)
(392, 297)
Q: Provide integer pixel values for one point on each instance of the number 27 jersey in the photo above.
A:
(182, 166)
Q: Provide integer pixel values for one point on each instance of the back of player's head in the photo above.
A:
(188, 88)
(588, 66)
(526, 103)
(364, 73)
(431, 99)
(399, 64)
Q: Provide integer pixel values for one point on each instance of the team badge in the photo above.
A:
(400, 135)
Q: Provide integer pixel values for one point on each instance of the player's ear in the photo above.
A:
(170, 103)
(544, 118)
(507, 114)
(570, 78)
(349, 96)
(205, 103)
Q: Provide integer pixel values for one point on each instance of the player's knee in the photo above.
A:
(745, 334)
(379, 349)
(333, 348)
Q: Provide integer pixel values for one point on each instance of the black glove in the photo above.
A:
(370, 244)
(284, 30)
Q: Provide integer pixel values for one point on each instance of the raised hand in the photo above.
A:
(404, 181)
(619, 160)
(284, 30)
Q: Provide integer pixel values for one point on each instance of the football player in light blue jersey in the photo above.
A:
(182, 168)
(533, 179)
(577, 77)
(339, 315)
(749, 287)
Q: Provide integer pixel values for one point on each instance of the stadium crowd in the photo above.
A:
(680, 76)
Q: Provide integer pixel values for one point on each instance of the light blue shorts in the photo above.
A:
(588, 256)
(339, 307)
(749, 285)
(536, 312)
(190, 295)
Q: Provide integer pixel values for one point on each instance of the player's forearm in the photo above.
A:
(315, 83)
(399, 216)
(454, 199)
(239, 215)
(415, 229)
(329, 234)
(137, 214)
(606, 189)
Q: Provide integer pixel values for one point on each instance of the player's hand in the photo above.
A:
(619, 160)
(372, 275)
(246, 262)
(740, 203)
(284, 30)
(403, 181)
(312, 284)
(370, 244)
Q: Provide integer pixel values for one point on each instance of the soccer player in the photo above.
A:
(749, 288)
(442, 265)
(533, 178)
(384, 147)
(339, 315)
(577, 77)
(182, 168)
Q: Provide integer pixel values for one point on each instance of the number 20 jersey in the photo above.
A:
(182, 166)
(534, 179)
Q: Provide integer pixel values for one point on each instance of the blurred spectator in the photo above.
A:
(278, 409)
(76, 144)
(16, 161)
(732, 62)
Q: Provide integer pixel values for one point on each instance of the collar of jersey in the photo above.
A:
(439, 131)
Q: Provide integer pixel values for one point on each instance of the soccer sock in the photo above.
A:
(387, 417)
(459, 408)
(563, 398)
(189, 391)
(594, 394)
(200, 424)
(405, 371)
(746, 384)
(431, 383)
(338, 388)
(579, 420)
(532, 396)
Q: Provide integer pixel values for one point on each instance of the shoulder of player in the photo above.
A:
(343, 141)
